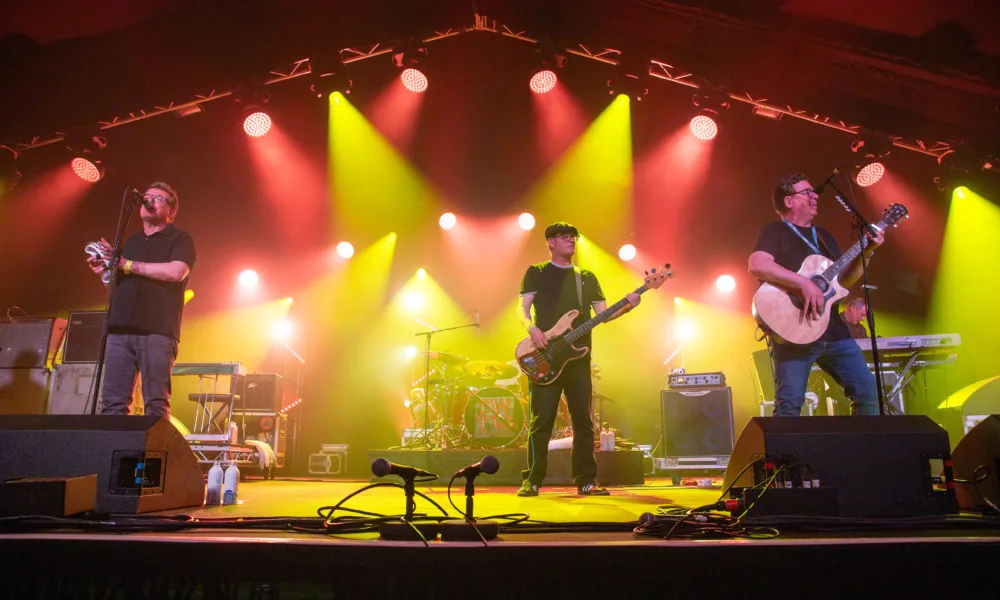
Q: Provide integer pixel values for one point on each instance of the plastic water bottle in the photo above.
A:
(234, 433)
(604, 439)
(213, 493)
(232, 483)
(611, 439)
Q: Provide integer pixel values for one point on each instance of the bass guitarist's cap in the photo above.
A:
(560, 228)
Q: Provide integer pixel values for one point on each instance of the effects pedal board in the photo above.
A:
(684, 380)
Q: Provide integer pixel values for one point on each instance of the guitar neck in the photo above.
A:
(848, 257)
(601, 317)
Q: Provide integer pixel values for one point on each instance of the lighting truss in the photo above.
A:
(481, 23)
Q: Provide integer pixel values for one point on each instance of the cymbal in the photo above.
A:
(490, 369)
(448, 359)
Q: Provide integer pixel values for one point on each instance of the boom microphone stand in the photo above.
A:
(863, 229)
(427, 375)
(124, 217)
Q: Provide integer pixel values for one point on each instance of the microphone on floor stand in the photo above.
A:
(458, 530)
(406, 528)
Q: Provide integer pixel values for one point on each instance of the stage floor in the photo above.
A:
(555, 562)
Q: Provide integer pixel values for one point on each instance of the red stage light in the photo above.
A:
(447, 221)
(704, 127)
(542, 82)
(870, 174)
(413, 80)
(86, 170)
(725, 283)
(526, 221)
(248, 279)
(257, 124)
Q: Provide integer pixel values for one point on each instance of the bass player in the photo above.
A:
(555, 288)
(781, 248)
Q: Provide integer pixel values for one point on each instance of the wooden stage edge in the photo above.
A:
(566, 560)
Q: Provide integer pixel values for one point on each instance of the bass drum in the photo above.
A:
(494, 418)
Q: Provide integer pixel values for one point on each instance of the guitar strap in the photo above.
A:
(579, 286)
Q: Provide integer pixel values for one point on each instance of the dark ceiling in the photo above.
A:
(918, 68)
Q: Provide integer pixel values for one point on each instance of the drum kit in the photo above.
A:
(477, 403)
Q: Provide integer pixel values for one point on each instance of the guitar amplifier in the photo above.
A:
(263, 392)
(685, 380)
(83, 336)
(29, 343)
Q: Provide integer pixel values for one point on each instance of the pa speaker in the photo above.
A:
(879, 466)
(697, 421)
(978, 455)
(142, 464)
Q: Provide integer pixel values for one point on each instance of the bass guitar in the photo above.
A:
(543, 365)
(779, 311)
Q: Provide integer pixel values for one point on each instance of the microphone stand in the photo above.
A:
(407, 529)
(863, 228)
(427, 377)
(124, 217)
(457, 530)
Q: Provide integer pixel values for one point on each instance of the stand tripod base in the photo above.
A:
(402, 530)
(456, 530)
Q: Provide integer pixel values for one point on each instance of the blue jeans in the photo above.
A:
(844, 362)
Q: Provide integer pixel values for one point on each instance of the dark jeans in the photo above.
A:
(844, 362)
(576, 384)
(129, 354)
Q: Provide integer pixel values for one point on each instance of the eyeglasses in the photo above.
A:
(566, 236)
(808, 192)
(153, 199)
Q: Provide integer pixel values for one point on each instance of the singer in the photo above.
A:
(781, 248)
(555, 288)
(144, 321)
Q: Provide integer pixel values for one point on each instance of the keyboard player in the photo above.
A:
(854, 316)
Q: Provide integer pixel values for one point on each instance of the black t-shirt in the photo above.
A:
(555, 295)
(789, 251)
(143, 305)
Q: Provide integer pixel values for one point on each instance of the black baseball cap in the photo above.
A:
(560, 228)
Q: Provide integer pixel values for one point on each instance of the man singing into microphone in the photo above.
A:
(781, 248)
(145, 317)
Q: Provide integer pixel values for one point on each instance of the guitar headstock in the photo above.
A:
(894, 213)
(655, 277)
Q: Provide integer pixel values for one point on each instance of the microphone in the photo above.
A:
(142, 198)
(381, 467)
(827, 181)
(488, 465)
(477, 335)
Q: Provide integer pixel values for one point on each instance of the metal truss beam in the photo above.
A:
(481, 23)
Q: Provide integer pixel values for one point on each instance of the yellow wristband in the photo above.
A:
(128, 267)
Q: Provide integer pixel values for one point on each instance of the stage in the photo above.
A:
(572, 546)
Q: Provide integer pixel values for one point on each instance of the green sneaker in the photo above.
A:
(527, 489)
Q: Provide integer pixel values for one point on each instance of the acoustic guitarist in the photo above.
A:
(555, 288)
(781, 248)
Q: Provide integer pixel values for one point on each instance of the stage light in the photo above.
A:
(9, 174)
(421, 274)
(345, 250)
(410, 352)
(873, 148)
(704, 127)
(447, 221)
(413, 301)
(725, 283)
(543, 81)
(414, 80)
(626, 252)
(526, 221)
(628, 85)
(87, 146)
(256, 123)
(248, 279)
(707, 123)
(684, 331)
(283, 330)
(328, 75)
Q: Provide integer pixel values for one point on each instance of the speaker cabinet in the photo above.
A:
(29, 343)
(880, 466)
(697, 422)
(23, 391)
(979, 448)
(263, 392)
(83, 336)
(142, 464)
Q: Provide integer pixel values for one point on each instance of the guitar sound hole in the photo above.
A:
(821, 283)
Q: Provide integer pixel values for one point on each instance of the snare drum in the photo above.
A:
(494, 417)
